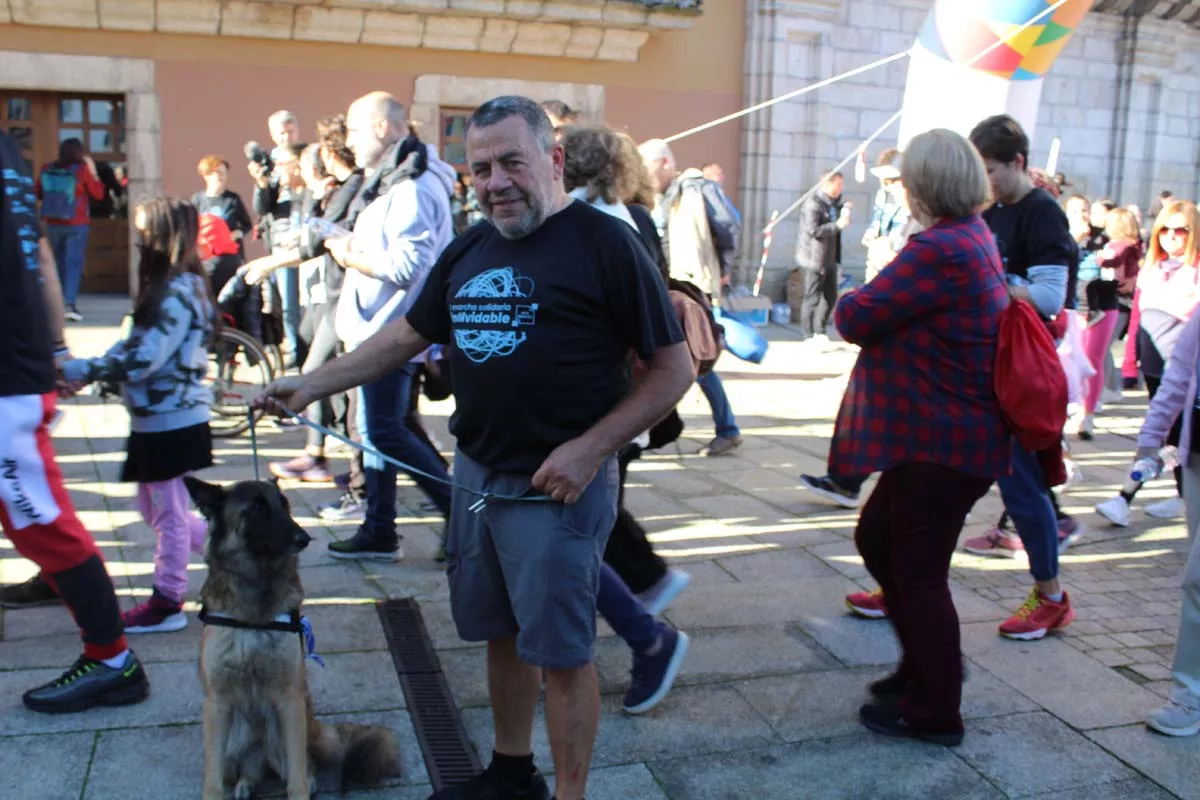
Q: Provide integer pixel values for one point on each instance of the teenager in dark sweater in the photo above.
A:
(217, 198)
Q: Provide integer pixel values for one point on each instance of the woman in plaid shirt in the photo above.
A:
(921, 409)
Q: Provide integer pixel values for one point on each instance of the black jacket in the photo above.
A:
(819, 245)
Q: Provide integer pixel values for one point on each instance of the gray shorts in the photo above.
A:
(528, 569)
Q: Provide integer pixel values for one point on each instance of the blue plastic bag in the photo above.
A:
(741, 339)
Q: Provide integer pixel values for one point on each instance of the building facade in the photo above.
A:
(153, 85)
(1122, 97)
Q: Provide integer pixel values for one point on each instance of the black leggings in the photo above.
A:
(629, 552)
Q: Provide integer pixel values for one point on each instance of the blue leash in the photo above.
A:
(476, 507)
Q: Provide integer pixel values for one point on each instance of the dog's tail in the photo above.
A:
(364, 755)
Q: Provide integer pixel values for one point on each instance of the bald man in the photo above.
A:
(401, 221)
(702, 257)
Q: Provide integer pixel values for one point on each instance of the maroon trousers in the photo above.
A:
(906, 534)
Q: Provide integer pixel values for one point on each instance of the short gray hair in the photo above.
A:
(944, 175)
(282, 116)
(498, 109)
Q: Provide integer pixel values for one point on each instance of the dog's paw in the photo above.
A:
(244, 790)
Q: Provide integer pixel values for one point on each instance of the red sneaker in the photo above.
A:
(157, 615)
(996, 543)
(1037, 617)
(868, 604)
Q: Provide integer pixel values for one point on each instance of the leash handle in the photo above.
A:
(476, 507)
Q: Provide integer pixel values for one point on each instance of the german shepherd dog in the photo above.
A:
(258, 714)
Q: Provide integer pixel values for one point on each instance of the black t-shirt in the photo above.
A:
(26, 352)
(1034, 232)
(541, 330)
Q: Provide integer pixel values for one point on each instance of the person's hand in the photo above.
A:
(256, 273)
(1146, 452)
(843, 220)
(259, 173)
(289, 393)
(340, 248)
(567, 471)
(90, 163)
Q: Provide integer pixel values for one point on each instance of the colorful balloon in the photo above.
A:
(950, 86)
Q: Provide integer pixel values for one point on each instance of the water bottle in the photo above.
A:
(1148, 468)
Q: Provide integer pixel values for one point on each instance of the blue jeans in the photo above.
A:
(383, 409)
(624, 613)
(1027, 501)
(723, 418)
(288, 283)
(69, 243)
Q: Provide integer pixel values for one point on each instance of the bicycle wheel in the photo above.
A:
(239, 370)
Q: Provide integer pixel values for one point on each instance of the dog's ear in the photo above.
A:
(208, 497)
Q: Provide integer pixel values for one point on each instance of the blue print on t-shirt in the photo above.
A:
(495, 316)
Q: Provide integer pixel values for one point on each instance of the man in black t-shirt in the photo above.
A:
(541, 308)
(35, 509)
(1035, 242)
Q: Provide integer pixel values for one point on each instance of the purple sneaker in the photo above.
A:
(310, 469)
(159, 614)
(653, 675)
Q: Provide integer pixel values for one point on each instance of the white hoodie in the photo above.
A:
(402, 233)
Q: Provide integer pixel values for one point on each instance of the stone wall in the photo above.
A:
(1130, 152)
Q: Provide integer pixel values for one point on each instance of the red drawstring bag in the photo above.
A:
(1030, 383)
(215, 238)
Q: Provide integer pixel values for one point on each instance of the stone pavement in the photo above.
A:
(766, 703)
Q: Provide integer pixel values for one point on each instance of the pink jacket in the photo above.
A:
(1177, 394)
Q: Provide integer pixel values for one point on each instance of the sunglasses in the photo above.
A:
(1182, 233)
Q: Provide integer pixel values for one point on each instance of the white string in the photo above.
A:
(879, 132)
(790, 95)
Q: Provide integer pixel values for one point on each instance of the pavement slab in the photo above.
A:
(767, 699)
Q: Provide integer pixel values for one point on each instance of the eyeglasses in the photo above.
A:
(1182, 233)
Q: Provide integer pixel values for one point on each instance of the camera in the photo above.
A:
(256, 154)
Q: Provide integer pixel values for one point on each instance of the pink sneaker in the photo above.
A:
(157, 615)
(1038, 616)
(996, 543)
(306, 468)
(868, 604)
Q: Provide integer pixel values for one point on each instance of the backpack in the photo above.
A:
(215, 238)
(58, 193)
(705, 341)
(1030, 383)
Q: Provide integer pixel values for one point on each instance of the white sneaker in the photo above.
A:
(1115, 511)
(1112, 396)
(659, 596)
(1175, 719)
(1087, 428)
(1167, 509)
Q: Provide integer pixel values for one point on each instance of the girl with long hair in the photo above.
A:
(161, 366)
(1168, 291)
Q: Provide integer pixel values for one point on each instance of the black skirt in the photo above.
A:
(161, 456)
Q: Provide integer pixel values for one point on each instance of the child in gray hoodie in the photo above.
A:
(161, 367)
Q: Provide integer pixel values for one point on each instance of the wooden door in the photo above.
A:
(38, 122)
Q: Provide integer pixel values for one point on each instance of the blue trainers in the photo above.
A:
(653, 675)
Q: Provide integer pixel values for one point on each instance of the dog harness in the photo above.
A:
(289, 622)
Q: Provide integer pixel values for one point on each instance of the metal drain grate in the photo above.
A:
(447, 749)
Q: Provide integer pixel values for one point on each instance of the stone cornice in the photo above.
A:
(1184, 11)
(605, 30)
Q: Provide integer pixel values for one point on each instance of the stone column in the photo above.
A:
(783, 147)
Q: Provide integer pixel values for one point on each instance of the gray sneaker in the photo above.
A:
(348, 509)
(1176, 718)
(721, 445)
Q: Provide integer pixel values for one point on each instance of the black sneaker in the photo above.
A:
(90, 683)
(654, 675)
(30, 594)
(488, 785)
(892, 688)
(364, 547)
(826, 488)
(886, 720)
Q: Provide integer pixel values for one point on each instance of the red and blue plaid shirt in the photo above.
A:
(923, 387)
